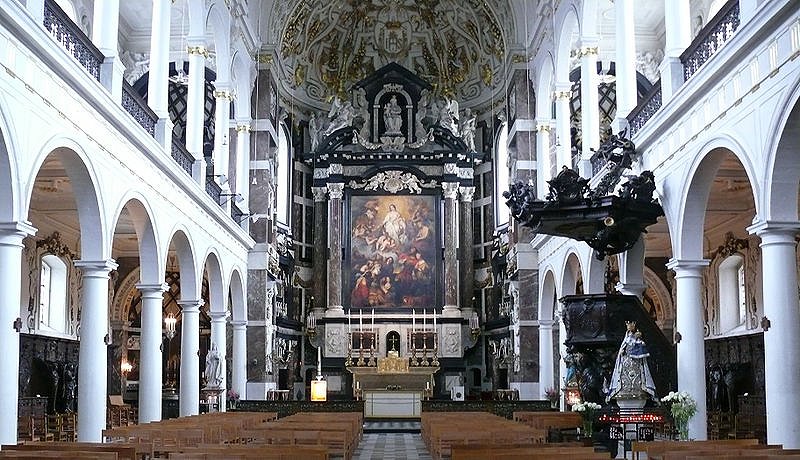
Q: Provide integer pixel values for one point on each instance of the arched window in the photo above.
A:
(53, 294)
(501, 176)
(283, 178)
(732, 296)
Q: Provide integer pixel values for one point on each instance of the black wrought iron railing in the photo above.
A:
(182, 156)
(72, 38)
(711, 38)
(213, 189)
(648, 106)
(138, 108)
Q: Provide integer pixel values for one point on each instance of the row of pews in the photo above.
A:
(237, 435)
(484, 436)
(723, 449)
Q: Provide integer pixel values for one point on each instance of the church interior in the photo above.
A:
(575, 217)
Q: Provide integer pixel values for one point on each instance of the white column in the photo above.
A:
(691, 351)
(150, 357)
(93, 353)
(223, 98)
(590, 105)
(782, 337)
(546, 377)
(543, 174)
(243, 162)
(36, 9)
(631, 270)
(195, 109)
(11, 236)
(677, 22)
(190, 358)
(239, 371)
(219, 338)
(105, 33)
(625, 62)
(157, 80)
(563, 137)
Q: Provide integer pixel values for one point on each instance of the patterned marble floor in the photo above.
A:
(391, 446)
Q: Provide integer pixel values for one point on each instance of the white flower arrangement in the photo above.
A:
(586, 407)
(682, 407)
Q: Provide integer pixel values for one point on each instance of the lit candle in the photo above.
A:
(358, 385)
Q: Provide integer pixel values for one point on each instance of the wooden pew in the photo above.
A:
(654, 448)
(123, 452)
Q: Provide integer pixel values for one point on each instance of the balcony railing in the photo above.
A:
(711, 38)
(649, 105)
(213, 189)
(138, 109)
(72, 38)
(182, 156)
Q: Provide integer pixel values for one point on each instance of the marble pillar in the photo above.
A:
(590, 105)
(105, 35)
(320, 274)
(195, 109)
(158, 76)
(625, 62)
(220, 339)
(465, 241)
(631, 270)
(450, 191)
(243, 163)
(546, 366)
(93, 358)
(223, 97)
(545, 166)
(782, 333)
(678, 34)
(335, 191)
(189, 403)
(691, 351)
(562, 95)
(11, 236)
(239, 371)
(150, 355)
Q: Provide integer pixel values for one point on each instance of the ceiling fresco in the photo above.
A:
(458, 46)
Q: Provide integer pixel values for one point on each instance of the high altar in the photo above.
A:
(393, 184)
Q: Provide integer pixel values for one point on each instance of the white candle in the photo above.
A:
(434, 320)
(349, 326)
(319, 360)
(413, 320)
(373, 319)
(424, 314)
(358, 385)
(360, 320)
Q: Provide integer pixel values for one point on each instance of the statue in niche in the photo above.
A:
(392, 117)
(631, 378)
(468, 126)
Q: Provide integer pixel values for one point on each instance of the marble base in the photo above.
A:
(631, 404)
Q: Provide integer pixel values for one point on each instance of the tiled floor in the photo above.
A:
(391, 446)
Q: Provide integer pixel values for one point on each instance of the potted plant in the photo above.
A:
(553, 395)
(587, 411)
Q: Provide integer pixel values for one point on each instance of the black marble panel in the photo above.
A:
(502, 408)
(285, 408)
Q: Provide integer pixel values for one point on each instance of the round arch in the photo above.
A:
(567, 24)
(237, 290)
(783, 163)
(150, 258)
(571, 274)
(9, 208)
(216, 284)
(189, 272)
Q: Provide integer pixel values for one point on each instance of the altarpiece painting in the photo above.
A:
(392, 251)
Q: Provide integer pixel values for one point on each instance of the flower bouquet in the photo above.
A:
(682, 407)
(587, 411)
(233, 398)
(552, 395)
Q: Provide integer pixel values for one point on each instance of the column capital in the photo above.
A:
(15, 232)
(450, 190)
(239, 325)
(191, 306)
(197, 50)
(546, 324)
(775, 228)
(544, 125)
(152, 289)
(562, 91)
(467, 193)
(96, 268)
(687, 267)
(218, 316)
(243, 127)
(319, 193)
(223, 93)
(336, 190)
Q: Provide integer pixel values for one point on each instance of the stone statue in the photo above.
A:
(341, 115)
(361, 107)
(631, 378)
(69, 387)
(468, 130)
(422, 112)
(392, 117)
(314, 131)
(448, 116)
(213, 367)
